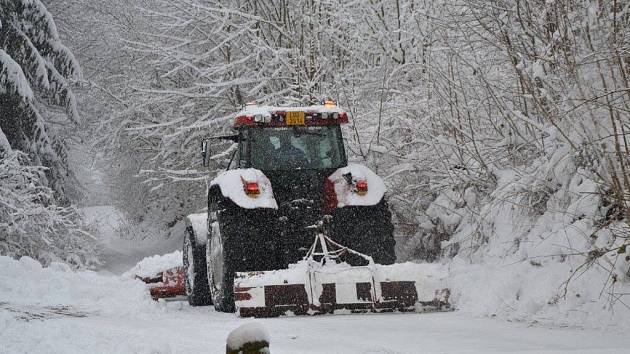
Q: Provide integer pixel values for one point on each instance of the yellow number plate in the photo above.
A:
(295, 118)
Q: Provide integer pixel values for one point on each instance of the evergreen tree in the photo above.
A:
(35, 74)
(35, 70)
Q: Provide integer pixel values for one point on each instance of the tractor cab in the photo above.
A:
(295, 138)
(297, 148)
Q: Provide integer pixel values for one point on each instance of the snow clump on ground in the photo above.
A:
(153, 265)
(248, 333)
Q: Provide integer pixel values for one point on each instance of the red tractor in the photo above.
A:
(289, 173)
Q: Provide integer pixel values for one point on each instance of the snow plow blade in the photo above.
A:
(167, 284)
(313, 287)
(341, 288)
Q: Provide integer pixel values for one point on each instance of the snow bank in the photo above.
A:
(155, 264)
(523, 292)
(540, 247)
(26, 282)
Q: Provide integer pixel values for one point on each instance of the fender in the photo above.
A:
(231, 183)
(345, 181)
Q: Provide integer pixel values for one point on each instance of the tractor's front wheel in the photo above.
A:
(194, 259)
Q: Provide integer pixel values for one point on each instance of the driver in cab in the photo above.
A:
(289, 154)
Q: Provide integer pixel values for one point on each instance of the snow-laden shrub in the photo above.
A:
(509, 149)
(546, 244)
(31, 222)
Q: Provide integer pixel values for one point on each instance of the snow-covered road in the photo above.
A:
(56, 310)
(177, 328)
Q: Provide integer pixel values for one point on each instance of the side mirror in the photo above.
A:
(204, 152)
(204, 146)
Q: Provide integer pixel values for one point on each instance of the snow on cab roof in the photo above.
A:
(268, 111)
(270, 116)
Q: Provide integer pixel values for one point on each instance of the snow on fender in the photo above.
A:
(232, 185)
(346, 189)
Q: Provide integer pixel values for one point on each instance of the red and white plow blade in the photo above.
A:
(310, 288)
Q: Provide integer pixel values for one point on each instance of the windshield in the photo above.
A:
(292, 148)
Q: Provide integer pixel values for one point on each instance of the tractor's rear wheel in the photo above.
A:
(383, 245)
(194, 259)
(236, 244)
(367, 229)
(220, 264)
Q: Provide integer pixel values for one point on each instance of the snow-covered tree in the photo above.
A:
(201, 62)
(35, 74)
(36, 69)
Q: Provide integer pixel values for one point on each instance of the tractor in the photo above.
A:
(289, 172)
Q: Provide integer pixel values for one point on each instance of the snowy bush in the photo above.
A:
(31, 221)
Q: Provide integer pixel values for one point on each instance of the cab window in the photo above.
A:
(294, 148)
